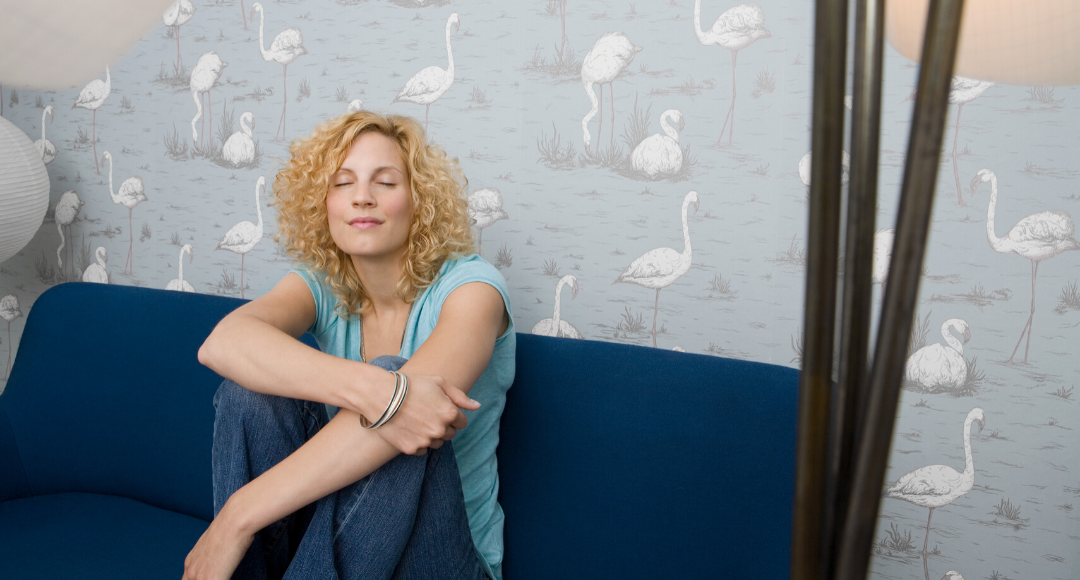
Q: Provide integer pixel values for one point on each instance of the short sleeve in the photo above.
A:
(465, 270)
(325, 303)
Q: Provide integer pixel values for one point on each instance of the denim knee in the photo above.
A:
(388, 362)
(230, 394)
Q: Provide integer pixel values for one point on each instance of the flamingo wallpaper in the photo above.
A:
(637, 172)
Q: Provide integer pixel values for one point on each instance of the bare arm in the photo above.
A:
(256, 345)
(343, 452)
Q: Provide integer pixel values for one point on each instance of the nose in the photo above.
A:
(362, 196)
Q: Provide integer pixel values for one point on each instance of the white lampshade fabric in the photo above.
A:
(60, 44)
(1017, 42)
(24, 189)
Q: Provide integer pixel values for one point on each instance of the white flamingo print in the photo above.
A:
(426, 86)
(240, 148)
(660, 154)
(179, 284)
(485, 208)
(736, 29)
(204, 76)
(97, 272)
(45, 147)
(804, 168)
(92, 97)
(241, 238)
(658, 268)
(288, 45)
(879, 270)
(937, 486)
(9, 311)
(355, 105)
(1039, 236)
(64, 214)
(936, 368)
(176, 15)
(556, 326)
(962, 91)
(609, 56)
(131, 194)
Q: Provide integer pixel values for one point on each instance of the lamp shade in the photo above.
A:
(24, 189)
(59, 44)
(1018, 42)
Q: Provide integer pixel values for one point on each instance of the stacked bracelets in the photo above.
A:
(401, 387)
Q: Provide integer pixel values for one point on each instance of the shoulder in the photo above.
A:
(465, 285)
(325, 302)
(471, 268)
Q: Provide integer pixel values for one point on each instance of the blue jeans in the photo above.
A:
(406, 520)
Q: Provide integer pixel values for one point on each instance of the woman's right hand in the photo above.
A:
(428, 416)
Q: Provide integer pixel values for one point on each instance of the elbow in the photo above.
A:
(204, 354)
(209, 349)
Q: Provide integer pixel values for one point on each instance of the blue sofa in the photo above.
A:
(615, 461)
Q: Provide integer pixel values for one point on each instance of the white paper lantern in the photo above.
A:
(24, 189)
(59, 44)
(1015, 42)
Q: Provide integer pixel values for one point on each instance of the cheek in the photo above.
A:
(400, 206)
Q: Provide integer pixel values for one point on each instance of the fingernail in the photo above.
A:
(475, 401)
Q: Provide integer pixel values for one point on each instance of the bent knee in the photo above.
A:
(388, 362)
(230, 395)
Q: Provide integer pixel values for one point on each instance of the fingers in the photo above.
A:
(459, 398)
(460, 421)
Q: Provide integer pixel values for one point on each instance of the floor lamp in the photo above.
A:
(845, 428)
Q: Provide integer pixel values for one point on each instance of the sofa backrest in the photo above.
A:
(615, 461)
(107, 396)
(621, 461)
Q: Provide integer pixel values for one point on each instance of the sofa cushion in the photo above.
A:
(107, 396)
(90, 536)
(620, 461)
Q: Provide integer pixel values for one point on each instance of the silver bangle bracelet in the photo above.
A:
(386, 412)
(395, 401)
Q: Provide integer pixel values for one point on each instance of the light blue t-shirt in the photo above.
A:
(474, 447)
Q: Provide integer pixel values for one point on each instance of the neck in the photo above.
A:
(449, 53)
(969, 465)
(697, 22)
(995, 242)
(555, 316)
(668, 128)
(685, 228)
(111, 194)
(951, 340)
(262, 19)
(379, 277)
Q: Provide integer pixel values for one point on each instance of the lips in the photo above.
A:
(364, 222)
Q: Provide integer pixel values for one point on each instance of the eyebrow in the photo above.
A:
(377, 170)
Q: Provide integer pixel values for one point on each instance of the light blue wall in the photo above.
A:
(590, 219)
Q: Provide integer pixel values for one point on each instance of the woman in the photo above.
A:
(378, 223)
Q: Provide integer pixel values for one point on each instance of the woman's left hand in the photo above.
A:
(218, 552)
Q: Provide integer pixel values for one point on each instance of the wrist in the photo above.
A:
(367, 389)
(235, 518)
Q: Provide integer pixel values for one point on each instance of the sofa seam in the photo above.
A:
(18, 453)
(172, 511)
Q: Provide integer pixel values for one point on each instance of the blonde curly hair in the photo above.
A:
(440, 228)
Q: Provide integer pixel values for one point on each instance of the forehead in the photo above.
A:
(372, 151)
